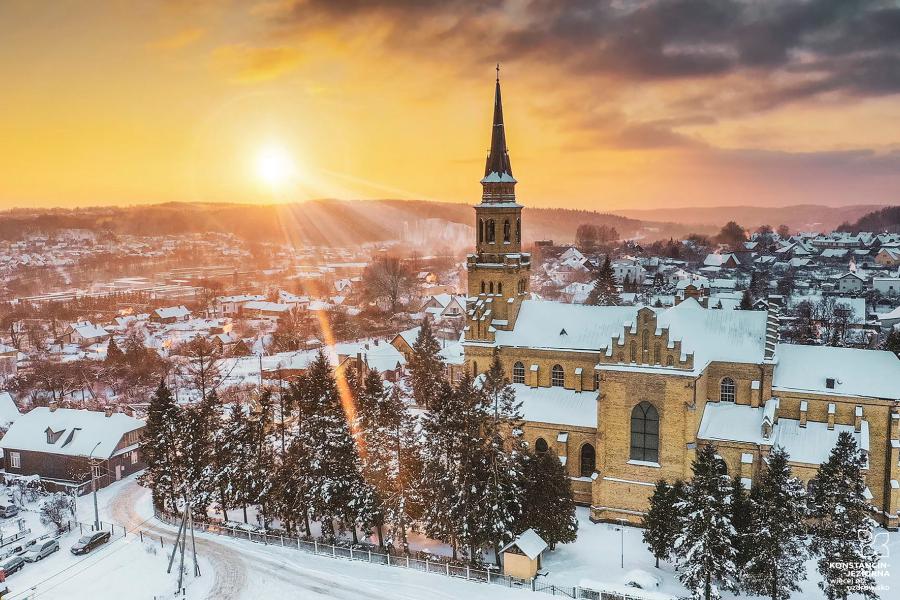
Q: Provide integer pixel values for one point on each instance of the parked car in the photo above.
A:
(11, 565)
(8, 510)
(88, 542)
(41, 550)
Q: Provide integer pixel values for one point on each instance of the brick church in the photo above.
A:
(624, 395)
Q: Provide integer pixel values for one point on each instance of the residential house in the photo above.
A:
(63, 446)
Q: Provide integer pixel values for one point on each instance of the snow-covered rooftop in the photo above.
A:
(871, 373)
(711, 335)
(529, 542)
(727, 421)
(80, 431)
(557, 405)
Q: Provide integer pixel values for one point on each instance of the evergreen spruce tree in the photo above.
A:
(372, 441)
(661, 521)
(442, 436)
(843, 526)
(401, 496)
(159, 448)
(704, 548)
(777, 557)
(746, 301)
(548, 502)
(604, 292)
(240, 449)
(426, 370)
(892, 341)
(114, 354)
(504, 454)
(343, 498)
(740, 520)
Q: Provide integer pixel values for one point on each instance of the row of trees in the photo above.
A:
(347, 452)
(721, 537)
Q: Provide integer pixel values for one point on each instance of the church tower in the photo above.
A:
(498, 271)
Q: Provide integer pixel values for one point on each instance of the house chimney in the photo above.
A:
(803, 408)
(857, 420)
(109, 411)
(831, 415)
(53, 405)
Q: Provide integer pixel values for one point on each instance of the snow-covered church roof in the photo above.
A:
(849, 371)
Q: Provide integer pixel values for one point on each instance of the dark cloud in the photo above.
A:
(814, 47)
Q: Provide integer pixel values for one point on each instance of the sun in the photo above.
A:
(275, 166)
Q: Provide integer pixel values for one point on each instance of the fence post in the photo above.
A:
(141, 533)
(532, 583)
(161, 545)
(282, 540)
(389, 560)
(426, 565)
(298, 543)
(315, 546)
(448, 568)
(370, 556)
(351, 552)
(489, 575)
(407, 560)
(467, 571)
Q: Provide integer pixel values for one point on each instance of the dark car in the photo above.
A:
(11, 565)
(90, 541)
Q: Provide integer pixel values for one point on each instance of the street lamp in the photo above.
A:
(94, 487)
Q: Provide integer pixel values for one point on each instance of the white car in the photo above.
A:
(41, 550)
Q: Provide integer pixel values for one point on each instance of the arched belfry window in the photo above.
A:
(518, 373)
(480, 230)
(499, 287)
(490, 233)
(540, 445)
(588, 460)
(482, 287)
(727, 390)
(557, 376)
(645, 433)
(518, 230)
(491, 287)
(506, 231)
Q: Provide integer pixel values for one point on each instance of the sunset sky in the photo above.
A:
(608, 104)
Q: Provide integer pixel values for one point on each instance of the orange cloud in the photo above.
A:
(178, 40)
(248, 64)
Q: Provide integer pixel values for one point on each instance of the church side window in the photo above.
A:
(645, 433)
(596, 381)
(656, 359)
(540, 445)
(645, 342)
(506, 231)
(491, 287)
(499, 287)
(557, 376)
(727, 390)
(480, 230)
(482, 287)
(518, 230)
(633, 351)
(518, 373)
(670, 361)
(588, 460)
(490, 234)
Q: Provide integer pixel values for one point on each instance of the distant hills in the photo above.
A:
(886, 219)
(800, 217)
(317, 222)
(353, 222)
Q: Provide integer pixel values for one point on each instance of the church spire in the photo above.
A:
(498, 159)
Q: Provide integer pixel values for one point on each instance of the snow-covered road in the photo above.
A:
(243, 570)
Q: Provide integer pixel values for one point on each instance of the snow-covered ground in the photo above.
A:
(240, 570)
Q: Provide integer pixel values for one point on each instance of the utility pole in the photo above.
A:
(94, 487)
(193, 541)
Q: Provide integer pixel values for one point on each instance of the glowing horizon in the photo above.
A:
(145, 102)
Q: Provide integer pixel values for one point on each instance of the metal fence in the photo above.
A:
(371, 554)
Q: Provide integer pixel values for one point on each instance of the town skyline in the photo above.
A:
(284, 102)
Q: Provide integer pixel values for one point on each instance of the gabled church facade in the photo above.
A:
(624, 395)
